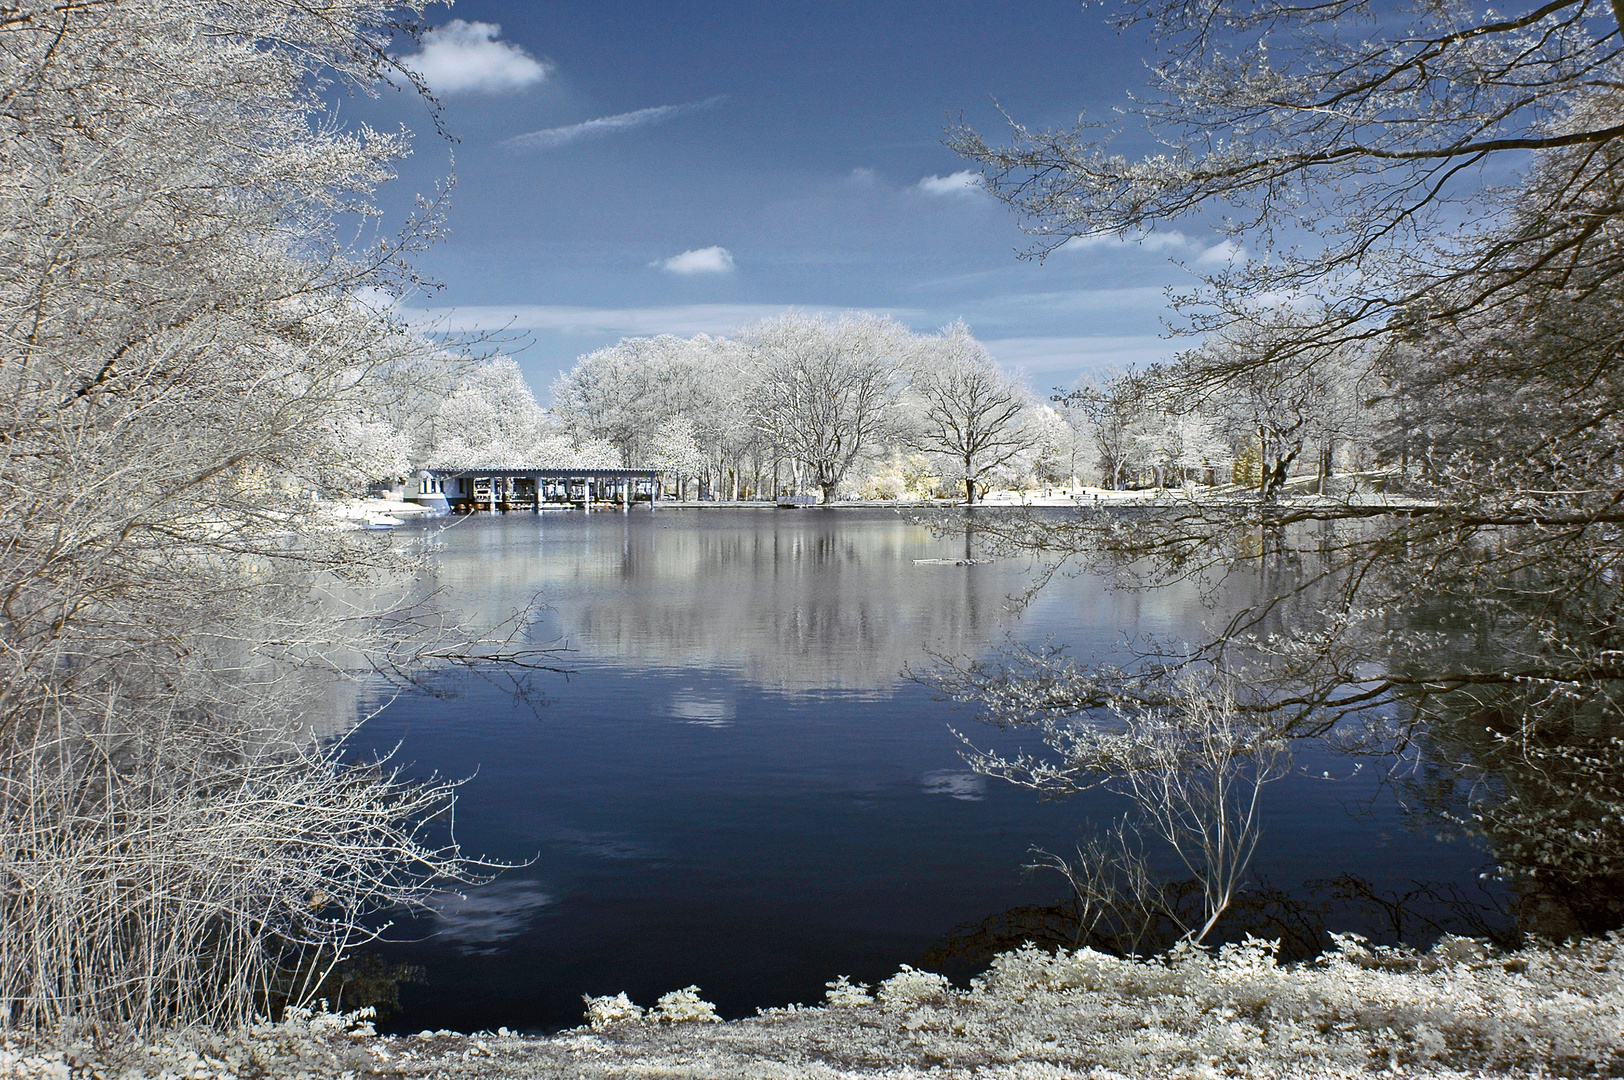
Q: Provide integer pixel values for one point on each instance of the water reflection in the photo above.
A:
(1299, 920)
(693, 708)
(964, 786)
(478, 921)
(790, 601)
(738, 789)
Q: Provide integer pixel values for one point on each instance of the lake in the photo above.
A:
(736, 785)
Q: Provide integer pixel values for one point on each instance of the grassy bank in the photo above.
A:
(1457, 1011)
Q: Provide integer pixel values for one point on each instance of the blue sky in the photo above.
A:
(639, 168)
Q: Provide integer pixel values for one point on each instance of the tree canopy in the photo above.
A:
(1429, 196)
(190, 353)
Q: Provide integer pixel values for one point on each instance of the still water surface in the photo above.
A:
(736, 786)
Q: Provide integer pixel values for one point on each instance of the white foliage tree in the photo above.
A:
(1368, 126)
(1106, 407)
(827, 388)
(675, 450)
(968, 410)
(1199, 444)
(186, 366)
(1436, 194)
(491, 418)
(1194, 771)
(1055, 443)
(626, 393)
(1169, 443)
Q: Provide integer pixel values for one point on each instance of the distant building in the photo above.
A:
(496, 488)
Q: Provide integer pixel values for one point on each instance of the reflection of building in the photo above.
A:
(496, 488)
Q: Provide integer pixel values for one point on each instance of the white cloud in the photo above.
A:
(963, 182)
(462, 56)
(863, 176)
(706, 260)
(552, 138)
(1157, 240)
(1222, 253)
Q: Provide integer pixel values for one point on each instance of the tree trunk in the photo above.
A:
(1262, 464)
(828, 491)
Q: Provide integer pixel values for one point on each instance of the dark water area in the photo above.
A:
(735, 785)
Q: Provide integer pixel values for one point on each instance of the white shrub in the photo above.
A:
(1458, 1012)
(684, 1006)
(844, 994)
(603, 1011)
(912, 986)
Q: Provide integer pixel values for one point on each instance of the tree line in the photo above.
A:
(829, 402)
(817, 402)
(863, 406)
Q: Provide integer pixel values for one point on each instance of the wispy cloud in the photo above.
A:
(706, 260)
(675, 319)
(963, 182)
(465, 56)
(552, 138)
(1157, 240)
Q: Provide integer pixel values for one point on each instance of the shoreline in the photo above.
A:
(387, 513)
(1458, 1010)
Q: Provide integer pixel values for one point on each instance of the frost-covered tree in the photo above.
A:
(625, 393)
(675, 450)
(188, 366)
(1055, 444)
(1434, 194)
(1275, 408)
(1107, 407)
(1194, 770)
(629, 393)
(826, 388)
(1367, 125)
(967, 409)
(1175, 444)
(490, 417)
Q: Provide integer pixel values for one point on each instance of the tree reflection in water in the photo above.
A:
(793, 601)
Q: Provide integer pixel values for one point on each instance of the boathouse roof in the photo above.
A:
(442, 472)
